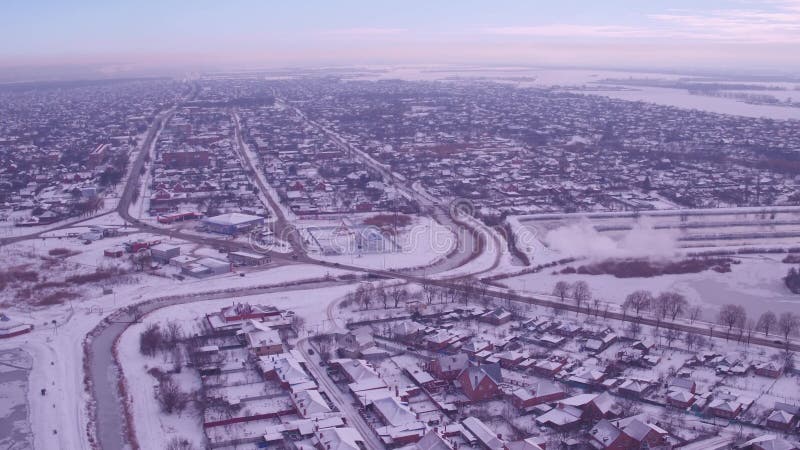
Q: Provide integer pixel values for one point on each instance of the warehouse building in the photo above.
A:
(248, 259)
(164, 252)
(232, 223)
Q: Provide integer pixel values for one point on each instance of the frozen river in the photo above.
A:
(15, 430)
(571, 78)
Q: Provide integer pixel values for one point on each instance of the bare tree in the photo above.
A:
(788, 324)
(731, 316)
(428, 292)
(767, 322)
(581, 293)
(173, 333)
(671, 336)
(151, 340)
(749, 328)
(561, 290)
(596, 304)
(298, 323)
(695, 312)
(170, 396)
(691, 340)
(673, 304)
(638, 301)
(179, 443)
(384, 295)
(399, 295)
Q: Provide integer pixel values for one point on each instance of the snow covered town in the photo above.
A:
(412, 257)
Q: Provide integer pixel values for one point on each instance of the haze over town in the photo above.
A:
(421, 225)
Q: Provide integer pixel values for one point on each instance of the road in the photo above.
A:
(469, 243)
(281, 227)
(104, 368)
(342, 401)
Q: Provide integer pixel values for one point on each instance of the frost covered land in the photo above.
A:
(394, 258)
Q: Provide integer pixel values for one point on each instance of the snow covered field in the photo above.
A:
(756, 284)
(660, 233)
(420, 243)
(55, 343)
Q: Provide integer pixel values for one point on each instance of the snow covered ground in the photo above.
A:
(55, 343)
(153, 427)
(421, 243)
(756, 284)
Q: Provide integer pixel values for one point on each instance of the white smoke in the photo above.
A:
(641, 241)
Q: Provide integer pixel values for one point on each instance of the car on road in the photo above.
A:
(310, 351)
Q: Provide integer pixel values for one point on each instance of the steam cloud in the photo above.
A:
(642, 241)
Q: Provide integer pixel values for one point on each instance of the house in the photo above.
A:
(486, 437)
(527, 444)
(353, 343)
(780, 420)
(680, 398)
(498, 316)
(309, 403)
(549, 367)
(447, 367)
(726, 407)
(476, 346)
(642, 433)
(635, 388)
(680, 383)
(604, 435)
(481, 382)
(433, 441)
(593, 406)
(341, 438)
(510, 358)
(769, 442)
(407, 331)
(286, 368)
(599, 343)
(769, 369)
(541, 392)
(261, 339)
(562, 417)
(401, 424)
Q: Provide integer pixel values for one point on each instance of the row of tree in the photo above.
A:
(734, 316)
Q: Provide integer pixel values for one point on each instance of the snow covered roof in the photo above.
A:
(483, 433)
(340, 438)
(432, 441)
(605, 432)
(393, 412)
(310, 403)
(232, 219)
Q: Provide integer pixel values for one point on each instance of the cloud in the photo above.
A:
(365, 32)
(569, 30)
(778, 24)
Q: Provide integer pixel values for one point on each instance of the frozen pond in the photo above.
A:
(15, 429)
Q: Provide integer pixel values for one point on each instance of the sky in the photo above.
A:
(680, 34)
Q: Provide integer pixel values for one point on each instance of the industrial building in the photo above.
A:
(232, 223)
